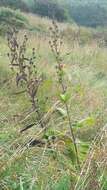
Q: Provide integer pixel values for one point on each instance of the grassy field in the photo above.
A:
(54, 167)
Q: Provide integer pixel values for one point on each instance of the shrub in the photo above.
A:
(11, 18)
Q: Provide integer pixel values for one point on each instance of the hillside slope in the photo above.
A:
(83, 12)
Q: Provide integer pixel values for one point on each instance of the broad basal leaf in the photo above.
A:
(89, 121)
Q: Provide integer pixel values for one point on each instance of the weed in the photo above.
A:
(55, 44)
(26, 70)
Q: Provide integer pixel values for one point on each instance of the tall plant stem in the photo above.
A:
(71, 129)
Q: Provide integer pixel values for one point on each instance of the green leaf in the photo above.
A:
(64, 97)
(89, 121)
(62, 112)
(83, 148)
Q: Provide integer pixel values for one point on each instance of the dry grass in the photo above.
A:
(44, 168)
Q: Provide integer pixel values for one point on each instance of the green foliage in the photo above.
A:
(53, 167)
(82, 12)
(103, 181)
(11, 18)
(89, 121)
(63, 183)
(64, 97)
(15, 4)
(89, 13)
(51, 9)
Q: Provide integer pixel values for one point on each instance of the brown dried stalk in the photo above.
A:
(25, 67)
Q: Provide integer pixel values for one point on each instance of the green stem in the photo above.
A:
(71, 129)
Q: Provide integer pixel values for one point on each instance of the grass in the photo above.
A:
(44, 168)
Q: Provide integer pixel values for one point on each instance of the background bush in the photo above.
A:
(9, 17)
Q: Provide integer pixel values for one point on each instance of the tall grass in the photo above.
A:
(49, 162)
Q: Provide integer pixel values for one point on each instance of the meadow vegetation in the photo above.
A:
(53, 98)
